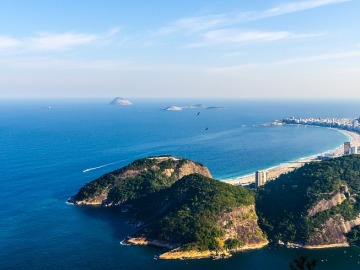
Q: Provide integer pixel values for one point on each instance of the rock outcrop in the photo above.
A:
(332, 233)
(242, 224)
(337, 198)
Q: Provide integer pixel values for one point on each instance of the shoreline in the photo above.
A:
(285, 167)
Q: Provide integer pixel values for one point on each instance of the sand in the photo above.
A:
(275, 171)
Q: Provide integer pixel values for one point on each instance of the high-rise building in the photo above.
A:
(353, 150)
(260, 178)
(347, 147)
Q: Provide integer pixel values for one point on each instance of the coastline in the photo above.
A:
(275, 171)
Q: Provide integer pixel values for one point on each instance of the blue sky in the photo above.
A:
(138, 48)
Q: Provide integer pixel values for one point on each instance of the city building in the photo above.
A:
(260, 178)
(353, 150)
(347, 148)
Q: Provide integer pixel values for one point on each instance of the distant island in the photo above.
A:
(120, 101)
(173, 108)
(178, 206)
(215, 108)
(196, 106)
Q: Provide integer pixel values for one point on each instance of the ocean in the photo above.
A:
(51, 148)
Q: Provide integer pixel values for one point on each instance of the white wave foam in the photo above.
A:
(123, 243)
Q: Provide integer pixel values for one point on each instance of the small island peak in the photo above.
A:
(120, 101)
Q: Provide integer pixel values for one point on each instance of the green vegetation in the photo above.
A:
(283, 205)
(188, 212)
(354, 236)
(140, 178)
(302, 262)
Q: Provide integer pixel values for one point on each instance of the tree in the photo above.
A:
(302, 262)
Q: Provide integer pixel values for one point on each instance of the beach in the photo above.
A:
(286, 167)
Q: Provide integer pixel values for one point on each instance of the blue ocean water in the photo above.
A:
(46, 145)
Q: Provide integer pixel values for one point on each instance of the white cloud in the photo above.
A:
(63, 41)
(194, 24)
(44, 41)
(313, 58)
(298, 6)
(237, 36)
(6, 42)
(200, 23)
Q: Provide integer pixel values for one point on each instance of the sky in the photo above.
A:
(180, 49)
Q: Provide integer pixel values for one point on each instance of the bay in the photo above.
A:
(46, 145)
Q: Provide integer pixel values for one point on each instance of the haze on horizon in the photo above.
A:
(211, 48)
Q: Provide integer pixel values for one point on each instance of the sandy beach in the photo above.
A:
(275, 171)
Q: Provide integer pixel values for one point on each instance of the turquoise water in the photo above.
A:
(44, 152)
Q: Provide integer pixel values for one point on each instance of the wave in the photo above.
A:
(123, 243)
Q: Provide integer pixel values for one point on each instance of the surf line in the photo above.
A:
(99, 167)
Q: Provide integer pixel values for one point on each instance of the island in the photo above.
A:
(120, 101)
(173, 108)
(180, 108)
(177, 205)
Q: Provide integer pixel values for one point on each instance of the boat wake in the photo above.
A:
(99, 167)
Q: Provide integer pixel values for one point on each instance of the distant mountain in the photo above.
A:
(120, 101)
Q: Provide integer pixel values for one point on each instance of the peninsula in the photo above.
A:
(178, 206)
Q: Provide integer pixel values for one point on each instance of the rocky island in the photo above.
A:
(120, 101)
(178, 206)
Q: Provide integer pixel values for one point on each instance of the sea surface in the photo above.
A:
(51, 148)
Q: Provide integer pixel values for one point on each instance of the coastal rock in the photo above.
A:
(242, 224)
(333, 233)
(120, 101)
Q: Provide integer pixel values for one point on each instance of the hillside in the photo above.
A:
(199, 215)
(140, 178)
(177, 205)
(317, 205)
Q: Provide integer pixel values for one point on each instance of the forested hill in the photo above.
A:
(176, 204)
(200, 213)
(315, 205)
(138, 179)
